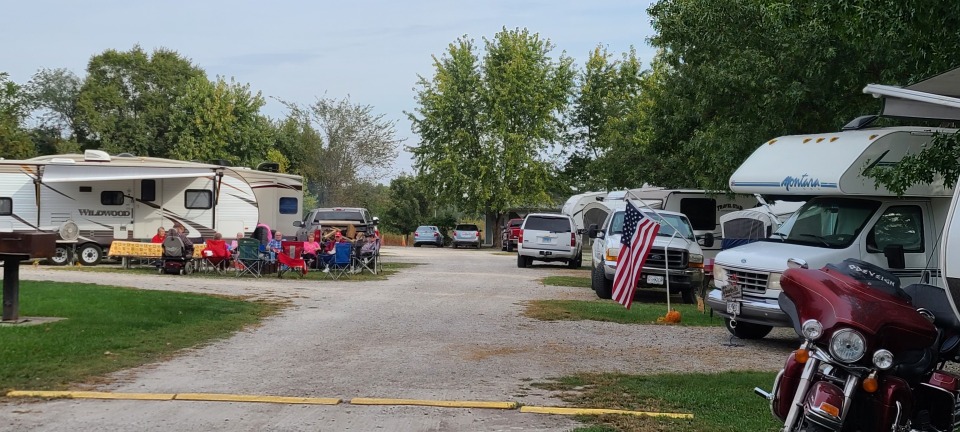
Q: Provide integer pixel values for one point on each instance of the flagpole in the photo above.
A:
(666, 254)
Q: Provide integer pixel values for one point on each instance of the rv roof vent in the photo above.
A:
(269, 167)
(126, 155)
(62, 160)
(96, 156)
(221, 162)
(860, 122)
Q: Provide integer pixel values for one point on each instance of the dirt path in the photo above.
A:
(449, 329)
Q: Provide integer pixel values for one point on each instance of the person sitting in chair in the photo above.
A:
(187, 243)
(158, 238)
(310, 250)
(216, 251)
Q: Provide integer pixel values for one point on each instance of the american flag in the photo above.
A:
(638, 234)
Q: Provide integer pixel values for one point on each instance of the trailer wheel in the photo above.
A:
(90, 254)
(61, 256)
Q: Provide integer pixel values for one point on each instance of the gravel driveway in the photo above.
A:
(451, 329)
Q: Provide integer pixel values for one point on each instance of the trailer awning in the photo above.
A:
(73, 173)
(936, 98)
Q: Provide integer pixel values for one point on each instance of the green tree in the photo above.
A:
(485, 127)
(731, 75)
(126, 100)
(219, 120)
(15, 142)
(55, 93)
(409, 205)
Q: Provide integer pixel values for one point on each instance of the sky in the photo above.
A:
(297, 51)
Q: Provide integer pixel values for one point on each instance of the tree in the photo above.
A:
(126, 100)
(409, 206)
(55, 93)
(484, 127)
(220, 120)
(731, 75)
(15, 142)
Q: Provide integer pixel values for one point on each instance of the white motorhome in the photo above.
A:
(846, 216)
(105, 198)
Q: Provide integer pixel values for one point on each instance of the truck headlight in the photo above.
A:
(695, 261)
(848, 345)
(612, 254)
(773, 281)
(719, 276)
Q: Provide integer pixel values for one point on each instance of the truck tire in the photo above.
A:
(61, 256)
(89, 254)
(415, 244)
(745, 330)
(510, 247)
(600, 284)
(574, 263)
(687, 295)
(521, 261)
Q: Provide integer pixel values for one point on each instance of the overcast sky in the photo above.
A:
(371, 51)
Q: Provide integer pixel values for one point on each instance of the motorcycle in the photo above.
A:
(873, 353)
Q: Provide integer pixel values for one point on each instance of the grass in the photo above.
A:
(608, 310)
(719, 402)
(108, 329)
(388, 270)
(572, 281)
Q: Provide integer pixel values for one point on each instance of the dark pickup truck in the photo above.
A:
(510, 235)
(341, 218)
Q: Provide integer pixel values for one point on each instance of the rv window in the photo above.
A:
(148, 190)
(198, 199)
(702, 212)
(899, 225)
(109, 198)
(288, 205)
(6, 206)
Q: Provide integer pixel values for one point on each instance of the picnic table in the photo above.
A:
(127, 250)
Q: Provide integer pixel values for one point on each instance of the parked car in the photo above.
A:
(466, 235)
(340, 218)
(549, 237)
(510, 234)
(427, 234)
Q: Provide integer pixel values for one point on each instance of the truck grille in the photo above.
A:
(657, 258)
(750, 282)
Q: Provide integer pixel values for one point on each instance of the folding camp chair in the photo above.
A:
(248, 257)
(342, 260)
(290, 259)
(215, 256)
(369, 258)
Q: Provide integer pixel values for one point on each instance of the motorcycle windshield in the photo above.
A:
(950, 253)
(838, 301)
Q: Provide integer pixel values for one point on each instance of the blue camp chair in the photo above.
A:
(342, 260)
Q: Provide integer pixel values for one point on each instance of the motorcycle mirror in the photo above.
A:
(797, 263)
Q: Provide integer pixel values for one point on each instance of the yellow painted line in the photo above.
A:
(435, 403)
(597, 411)
(219, 397)
(90, 395)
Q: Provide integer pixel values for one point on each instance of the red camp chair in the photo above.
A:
(290, 258)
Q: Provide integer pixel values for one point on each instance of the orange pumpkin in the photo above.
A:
(672, 317)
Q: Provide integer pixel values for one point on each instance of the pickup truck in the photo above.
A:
(510, 234)
(335, 217)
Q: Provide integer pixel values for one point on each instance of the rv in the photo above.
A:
(846, 216)
(584, 210)
(98, 198)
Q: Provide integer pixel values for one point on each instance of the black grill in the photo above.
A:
(657, 258)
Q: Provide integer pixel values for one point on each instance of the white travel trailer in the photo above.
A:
(846, 216)
(586, 209)
(702, 208)
(103, 198)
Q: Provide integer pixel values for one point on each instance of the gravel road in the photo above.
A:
(451, 329)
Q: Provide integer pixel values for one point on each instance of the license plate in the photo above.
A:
(654, 280)
(733, 308)
(546, 240)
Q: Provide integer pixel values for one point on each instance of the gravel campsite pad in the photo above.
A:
(450, 328)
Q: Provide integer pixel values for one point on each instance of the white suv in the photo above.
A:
(549, 237)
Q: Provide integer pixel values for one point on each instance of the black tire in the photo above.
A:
(521, 261)
(503, 244)
(510, 247)
(600, 284)
(572, 264)
(61, 256)
(688, 297)
(745, 330)
(478, 245)
(89, 254)
(440, 245)
(415, 244)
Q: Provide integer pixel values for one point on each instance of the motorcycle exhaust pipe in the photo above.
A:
(763, 393)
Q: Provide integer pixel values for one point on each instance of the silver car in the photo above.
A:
(427, 234)
(466, 235)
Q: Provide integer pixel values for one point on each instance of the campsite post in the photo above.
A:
(14, 248)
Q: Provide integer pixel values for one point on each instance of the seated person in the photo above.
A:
(310, 250)
(158, 238)
(369, 247)
(180, 231)
(275, 246)
(216, 251)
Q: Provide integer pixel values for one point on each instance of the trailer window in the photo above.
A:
(702, 212)
(148, 190)
(198, 199)
(111, 198)
(288, 205)
(6, 206)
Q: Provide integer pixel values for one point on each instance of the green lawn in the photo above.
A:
(719, 402)
(573, 281)
(609, 310)
(109, 328)
(388, 270)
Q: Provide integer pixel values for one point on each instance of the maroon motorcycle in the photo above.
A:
(873, 354)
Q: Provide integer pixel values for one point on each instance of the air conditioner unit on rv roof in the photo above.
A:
(96, 156)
